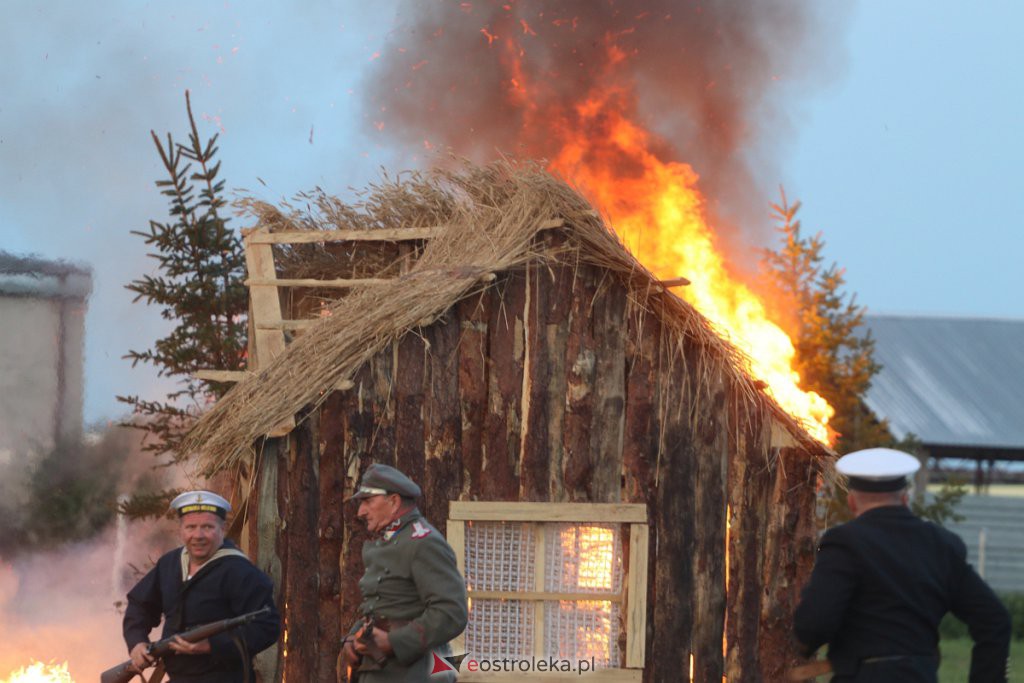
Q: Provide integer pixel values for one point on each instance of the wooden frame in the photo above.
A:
(632, 599)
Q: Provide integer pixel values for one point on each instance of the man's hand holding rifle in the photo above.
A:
(191, 642)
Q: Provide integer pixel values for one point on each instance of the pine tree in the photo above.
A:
(834, 350)
(199, 286)
(835, 353)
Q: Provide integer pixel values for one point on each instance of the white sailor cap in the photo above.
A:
(201, 501)
(877, 470)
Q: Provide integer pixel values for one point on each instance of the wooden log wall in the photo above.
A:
(548, 387)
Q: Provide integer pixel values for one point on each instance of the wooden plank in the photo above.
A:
(579, 460)
(501, 438)
(496, 511)
(409, 399)
(301, 581)
(749, 483)
(390, 235)
(341, 283)
(315, 236)
(442, 420)
(287, 324)
(597, 676)
(556, 335)
(546, 595)
(356, 409)
(268, 543)
(609, 391)
(534, 456)
(265, 305)
(710, 455)
(456, 536)
(222, 375)
(672, 618)
(640, 427)
(473, 314)
(330, 528)
(636, 595)
(539, 574)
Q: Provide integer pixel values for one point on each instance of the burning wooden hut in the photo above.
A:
(617, 486)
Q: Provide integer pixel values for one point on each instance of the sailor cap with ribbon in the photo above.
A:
(201, 501)
(379, 480)
(877, 470)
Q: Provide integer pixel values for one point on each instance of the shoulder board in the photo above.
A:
(419, 530)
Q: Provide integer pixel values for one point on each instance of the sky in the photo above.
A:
(904, 148)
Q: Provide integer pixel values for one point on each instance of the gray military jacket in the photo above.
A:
(413, 576)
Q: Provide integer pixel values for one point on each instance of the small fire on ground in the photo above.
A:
(38, 672)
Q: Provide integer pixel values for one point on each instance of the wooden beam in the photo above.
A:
(221, 375)
(486, 511)
(313, 236)
(384, 235)
(456, 536)
(319, 284)
(546, 596)
(636, 592)
(287, 324)
(266, 305)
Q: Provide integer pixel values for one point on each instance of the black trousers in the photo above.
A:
(894, 670)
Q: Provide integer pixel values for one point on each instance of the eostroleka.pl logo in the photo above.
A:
(532, 665)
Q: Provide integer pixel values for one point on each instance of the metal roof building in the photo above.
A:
(957, 384)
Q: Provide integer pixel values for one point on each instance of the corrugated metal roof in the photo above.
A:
(950, 381)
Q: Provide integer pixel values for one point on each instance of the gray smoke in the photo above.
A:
(715, 80)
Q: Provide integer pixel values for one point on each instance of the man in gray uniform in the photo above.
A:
(411, 587)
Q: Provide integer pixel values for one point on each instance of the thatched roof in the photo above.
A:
(489, 218)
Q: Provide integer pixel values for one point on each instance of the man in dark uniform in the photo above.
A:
(882, 583)
(207, 579)
(411, 586)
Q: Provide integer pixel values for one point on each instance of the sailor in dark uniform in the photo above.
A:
(207, 579)
(882, 582)
(412, 586)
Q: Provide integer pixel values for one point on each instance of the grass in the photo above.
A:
(956, 660)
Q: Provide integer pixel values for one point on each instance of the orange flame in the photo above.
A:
(658, 211)
(37, 672)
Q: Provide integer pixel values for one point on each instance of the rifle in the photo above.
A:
(123, 672)
(377, 658)
(812, 669)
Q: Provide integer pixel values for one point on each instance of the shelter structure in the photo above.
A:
(954, 384)
(619, 490)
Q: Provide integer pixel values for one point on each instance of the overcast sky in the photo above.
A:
(906, 156)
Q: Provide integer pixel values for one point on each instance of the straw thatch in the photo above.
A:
(489, 218)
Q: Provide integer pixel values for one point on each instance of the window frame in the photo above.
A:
(633, 516)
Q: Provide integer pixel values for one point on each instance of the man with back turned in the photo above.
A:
(883, 581)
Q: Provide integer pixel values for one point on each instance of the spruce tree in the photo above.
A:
(834, 354)
(834, 351)
(199, 286)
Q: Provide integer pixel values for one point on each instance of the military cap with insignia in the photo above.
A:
(201, 501)
(877, 470)
(379, 480)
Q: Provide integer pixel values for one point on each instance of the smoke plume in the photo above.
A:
(710, 79)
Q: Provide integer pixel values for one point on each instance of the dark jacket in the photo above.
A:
(222, 588)
(880, 586)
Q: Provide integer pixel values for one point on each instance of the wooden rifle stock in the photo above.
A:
(123, 672)
(818, 667)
